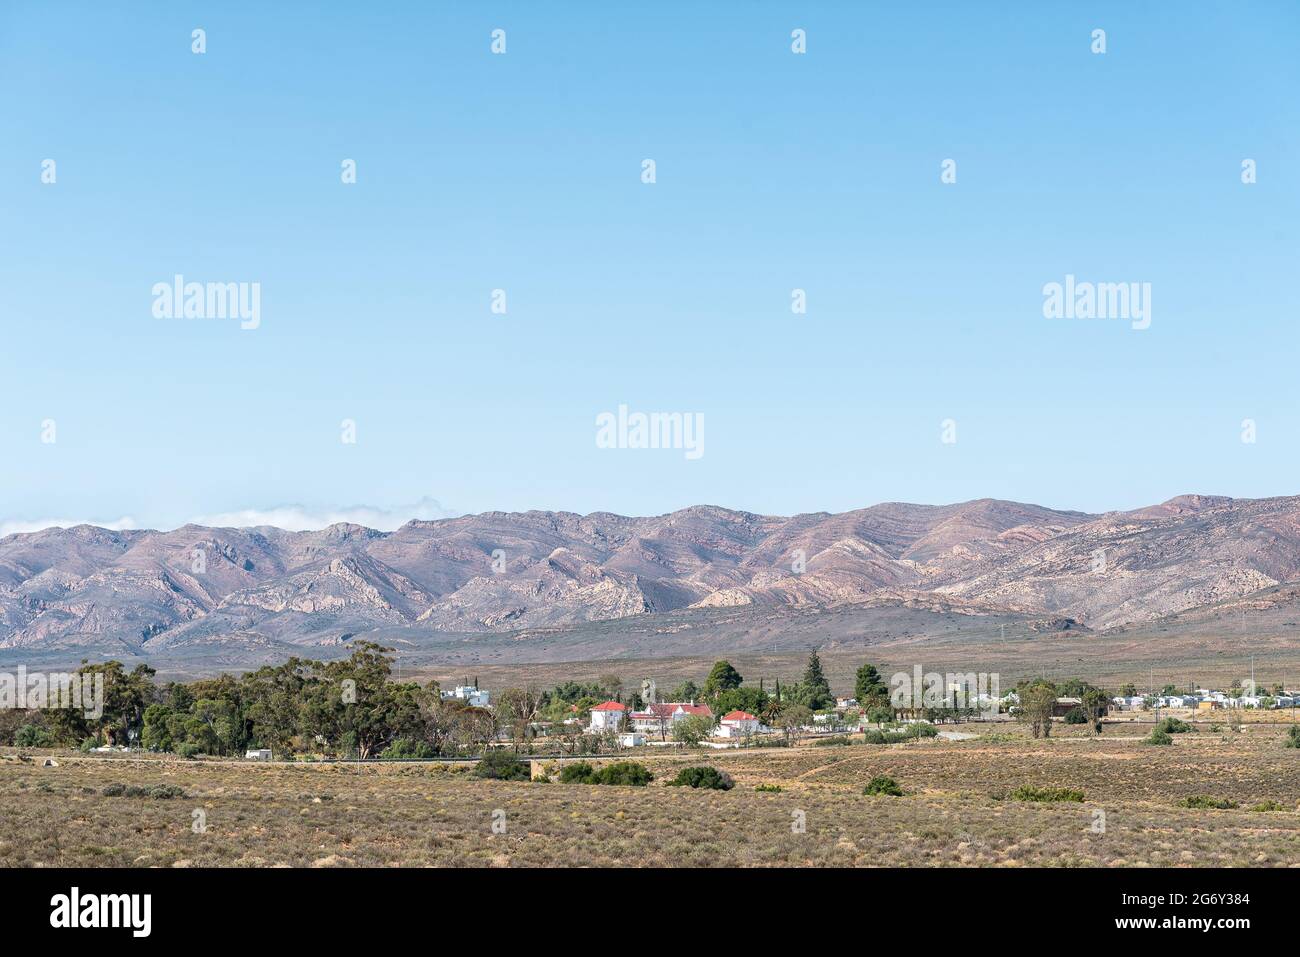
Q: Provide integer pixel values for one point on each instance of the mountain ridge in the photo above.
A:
(505, 572)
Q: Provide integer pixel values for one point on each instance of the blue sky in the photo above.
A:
(775, 171)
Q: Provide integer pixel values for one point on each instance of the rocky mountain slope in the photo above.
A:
(497, 573)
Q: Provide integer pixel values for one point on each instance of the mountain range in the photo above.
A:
(262, 593)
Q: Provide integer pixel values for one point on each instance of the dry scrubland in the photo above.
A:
(957, 810)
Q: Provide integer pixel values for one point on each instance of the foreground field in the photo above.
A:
(957, 809)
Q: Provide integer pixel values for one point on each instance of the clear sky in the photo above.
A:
(522, 172)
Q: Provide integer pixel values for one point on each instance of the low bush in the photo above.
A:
(579, 772)
(501, 765)
(769, 788)
(703, 777)
(625, 773)
(1292, 737)
(883, 784)
(1158, 736)
(189, 751)
(909, 732)
(1174, 726)
(1076, 716)
(1206, 802)
(1028, 792)
(33, 736)
(1267, 806)
(837, 741)
(114, 790)
(165, 792)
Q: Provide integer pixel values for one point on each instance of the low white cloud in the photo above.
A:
(18, 526)
(299, 518)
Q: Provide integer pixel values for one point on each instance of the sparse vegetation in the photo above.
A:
(404, 814)
(1042, 795)
(1205, 802)
(909, 732)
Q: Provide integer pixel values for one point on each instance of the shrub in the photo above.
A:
(579, 772)
(189, 751)
(1076, 716)
(703, 777)
(501, 765)
(1028, 792)
(164, 792)
(625, 773)
(33, 736)
(1206, 802)
(1158, 736)
(1267, 806)
(909, 732)
(88, 744)
(838, 741)
(883, 784)
(1174, 726)
(114, 790)
(1292, 737)
(769, 788)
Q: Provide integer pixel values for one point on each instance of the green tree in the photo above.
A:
(870, 688)
(686, 691)
(792, 719)
(816, 689)
(753, 700)
(692, 729)
(723, 677)
(1035, 709)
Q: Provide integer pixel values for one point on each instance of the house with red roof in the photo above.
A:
(738, 724)
(658, 719)
(607, 716)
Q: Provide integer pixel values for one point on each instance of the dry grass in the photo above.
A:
(956, 811)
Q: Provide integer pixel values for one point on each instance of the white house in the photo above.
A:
(631, 739)
(261, 754)
(738, 724)
(606, 717)
(470, 694)
(658, 719)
